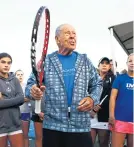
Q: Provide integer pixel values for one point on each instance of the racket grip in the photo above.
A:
(37, 106)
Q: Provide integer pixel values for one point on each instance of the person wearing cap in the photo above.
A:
(100, 112)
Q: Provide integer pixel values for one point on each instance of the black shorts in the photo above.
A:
(36, 118)
(64, 139)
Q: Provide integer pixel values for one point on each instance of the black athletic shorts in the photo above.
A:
(64, 139)
(36, 118)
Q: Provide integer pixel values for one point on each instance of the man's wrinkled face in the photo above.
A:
(66, 39)
(5, 65)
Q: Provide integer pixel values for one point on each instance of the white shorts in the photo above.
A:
(98, 125)
(11, 133)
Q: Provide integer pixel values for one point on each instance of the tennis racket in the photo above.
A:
(93, 112)
(103, 100)
(39, 46)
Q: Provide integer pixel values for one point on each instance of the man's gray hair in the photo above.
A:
(58, 29)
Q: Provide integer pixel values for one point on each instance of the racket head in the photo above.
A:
(38, 61)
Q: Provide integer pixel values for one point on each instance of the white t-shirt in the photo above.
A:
(25, 108)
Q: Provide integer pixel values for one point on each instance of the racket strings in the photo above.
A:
(38, 69)
(47, 31)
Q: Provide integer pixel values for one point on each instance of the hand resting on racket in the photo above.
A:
(95, 110)
(36, 92)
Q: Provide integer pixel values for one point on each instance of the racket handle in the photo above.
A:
(37, 106)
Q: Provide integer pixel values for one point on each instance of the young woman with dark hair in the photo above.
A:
(100, 112)
(11, 97)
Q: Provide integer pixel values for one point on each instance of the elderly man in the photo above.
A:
(72, 87)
